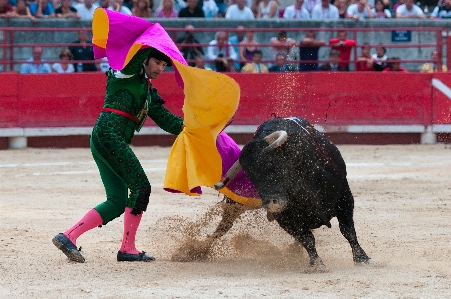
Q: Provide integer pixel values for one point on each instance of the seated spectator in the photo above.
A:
(166, 10)
(380, 59)
(395, 7)
(296, 11)
(432, 67)
(360, 10)
(442, 11)
(344, 46)
(83, 52)
(142, 9)
(379, 11)
(239, 11)
(248, 47)
(281, 65)
(221, 53)
(409, 10)
(35, 64)
(333, 65)
(192, 49)
(21, 10)
(104, 65)
(191, 10)
(256, 66)
(365, 62)
(6, 9)
(66, 11)
(118, 6)
(45, 10)
(281, 44)
(268, 9)
(325, 10)
(86, 9)
(64, 66)
(342, 6)
(179, 5)
(235, 40)
(222, 6)
(105, 3)
(210, 9)
(308, 50)
(309, 4)
(200, 63)
(394, 65)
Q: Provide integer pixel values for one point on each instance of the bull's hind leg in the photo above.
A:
(345, 209)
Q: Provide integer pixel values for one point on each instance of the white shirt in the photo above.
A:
(402, 10)
(210, 8)
(353, 10)
(57, 67)
(292, 13)
(84, 12)
(319, 12)
(309, 4)
(386, 12)
(123, 9)
(265, 10)
(213, 51)
(234, 13)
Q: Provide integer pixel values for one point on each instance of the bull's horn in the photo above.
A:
(230, 175)
(275, 139)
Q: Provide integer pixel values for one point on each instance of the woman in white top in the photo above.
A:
(268, 9)
(64, 66)
(379, 11)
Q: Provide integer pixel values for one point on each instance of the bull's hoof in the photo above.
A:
(316, 267)
(364, 263)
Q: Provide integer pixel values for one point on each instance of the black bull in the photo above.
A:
(301, 178)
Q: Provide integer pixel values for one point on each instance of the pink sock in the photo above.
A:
(89, 221)
(131, 223)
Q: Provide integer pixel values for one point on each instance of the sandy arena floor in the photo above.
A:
(402, 215)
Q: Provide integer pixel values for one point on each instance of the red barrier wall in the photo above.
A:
(74, 100)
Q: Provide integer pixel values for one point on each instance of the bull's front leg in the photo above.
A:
(308, 241)
(231, 210)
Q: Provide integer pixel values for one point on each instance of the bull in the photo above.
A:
(301, 178)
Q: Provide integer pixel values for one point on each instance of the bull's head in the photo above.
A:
(270, 200)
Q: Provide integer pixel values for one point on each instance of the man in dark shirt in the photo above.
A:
(83, 52)
(308, 50)
(333, 65)
(190, 52)
(281, 65)
(191, 10)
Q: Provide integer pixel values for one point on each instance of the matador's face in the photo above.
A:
(154, 68)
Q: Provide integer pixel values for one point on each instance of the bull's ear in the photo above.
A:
(275, 139)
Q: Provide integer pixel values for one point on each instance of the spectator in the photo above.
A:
(432, 66)
(398, 3)
(256, 66)
(21, 10)
(66, 11)
(281, 44)
(166, 10)
(179, 5)
(268, 9)
(394, 65)
(221, 53)
(239, 11)
(200, 63)
(344, 46)
(342, 6)
(409, 10)
(442, 11)
(86, 9)
(35, 64)
(296, 11)
(248, 47)
(118, 6)
(325, 10)
(222, 6)
(6, 9)
(104, 65)
(281, 65)
(64, 66)
(191, 10)
(365, 62)
(191, 50)
(309, 4)
(83, 52)
(210, 9)
(333, 65)
(45, 10)
(105, 3)
(360, 10)
(142, 9)
(379, 11)
(380, 59)
(308, 50)
(235, 40)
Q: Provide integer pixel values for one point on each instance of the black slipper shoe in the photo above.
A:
(68, 248)
(140, 257)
